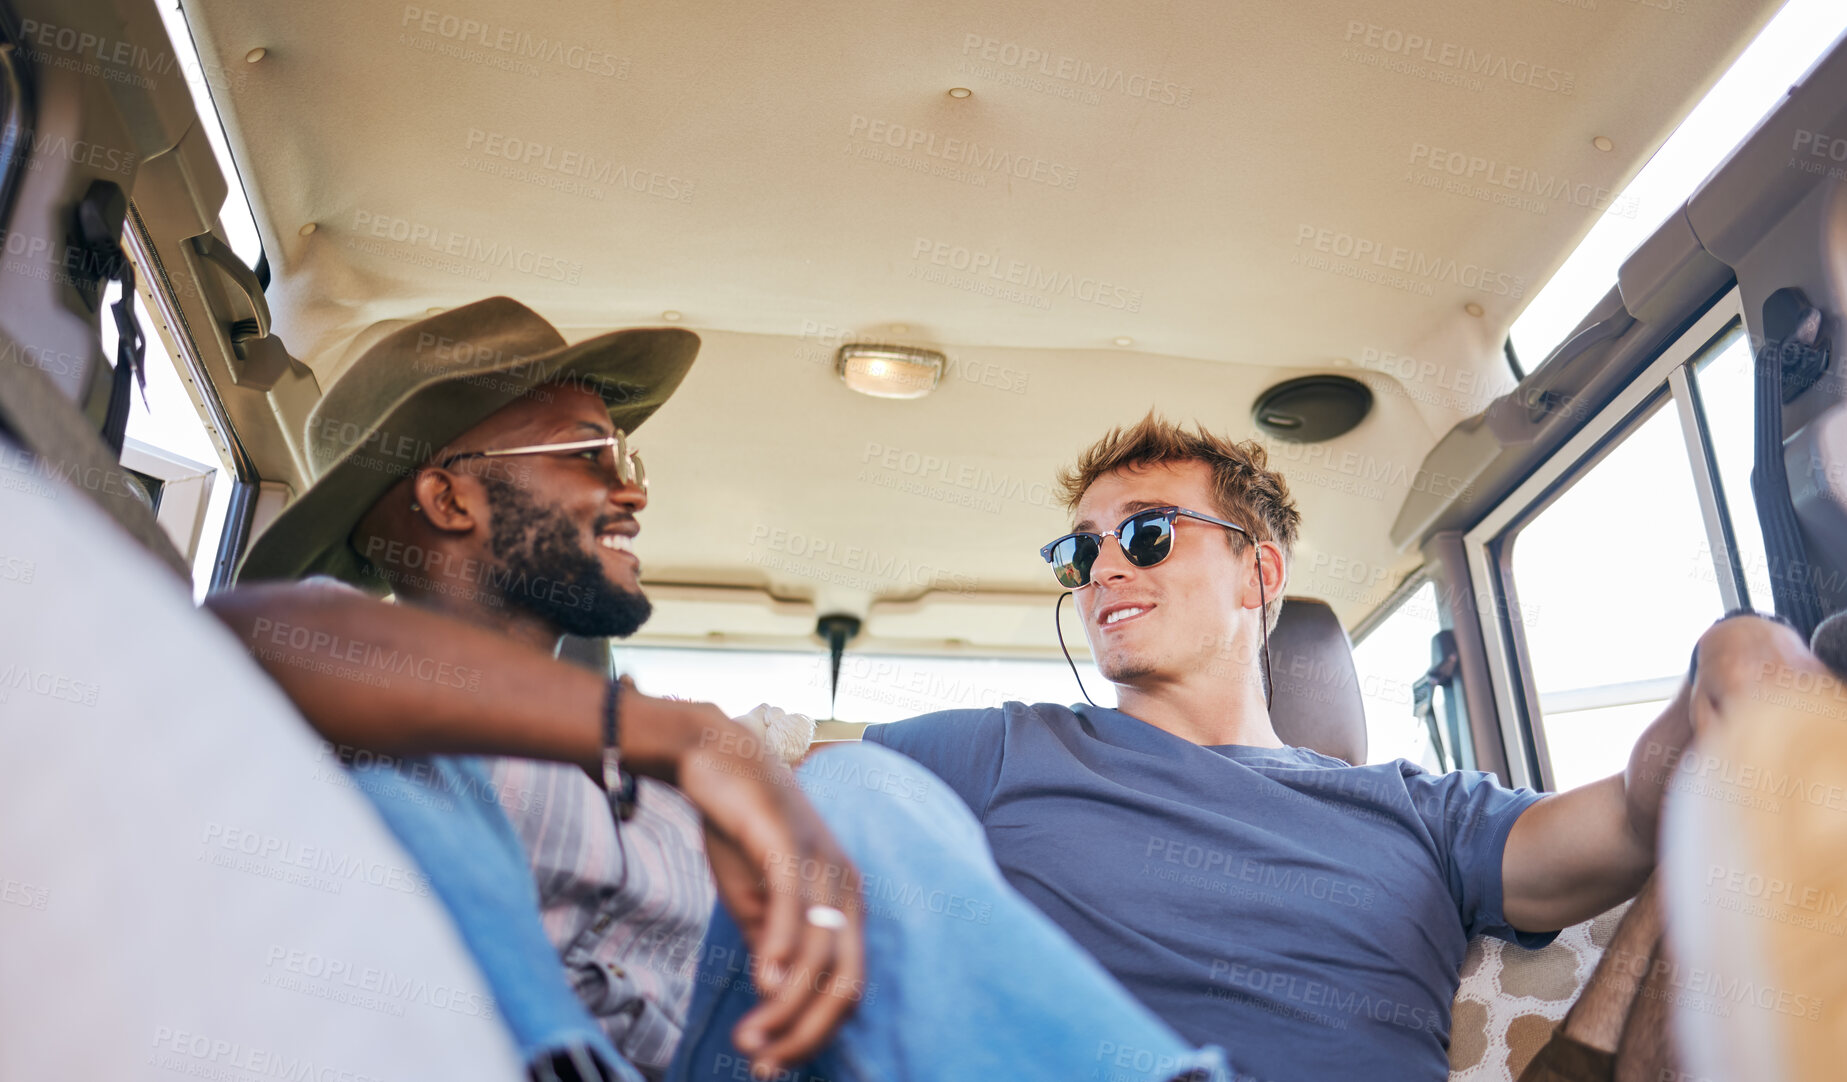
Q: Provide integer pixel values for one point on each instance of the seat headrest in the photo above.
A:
(1316, 703)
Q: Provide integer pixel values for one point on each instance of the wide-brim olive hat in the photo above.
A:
(428, 382)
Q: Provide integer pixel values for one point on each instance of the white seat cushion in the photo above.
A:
(189, 887)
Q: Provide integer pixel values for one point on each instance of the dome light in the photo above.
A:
(889, 371)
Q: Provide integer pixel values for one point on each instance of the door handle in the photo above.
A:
(220, 255)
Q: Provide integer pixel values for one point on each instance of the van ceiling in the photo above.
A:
(1244, 191)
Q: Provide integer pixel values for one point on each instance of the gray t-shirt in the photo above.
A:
(1308, 916)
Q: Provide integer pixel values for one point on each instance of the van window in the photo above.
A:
(1621, 563)
(874, 688)
(168, 421)
(1388, 660)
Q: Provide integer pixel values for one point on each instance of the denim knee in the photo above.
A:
(865, 787)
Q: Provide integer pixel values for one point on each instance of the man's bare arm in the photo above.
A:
(1573, 855)
(403, 681)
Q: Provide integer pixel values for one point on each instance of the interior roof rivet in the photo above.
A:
(255, 55)
(1602, 142)
(960, 92)
(307, 229)
(1473, 309)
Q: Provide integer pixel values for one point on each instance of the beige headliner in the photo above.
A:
(760, 219)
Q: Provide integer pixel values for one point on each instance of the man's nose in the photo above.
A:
(1111, 565)
(630, 498)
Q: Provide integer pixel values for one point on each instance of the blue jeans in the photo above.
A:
(475, 865)
(965, 979)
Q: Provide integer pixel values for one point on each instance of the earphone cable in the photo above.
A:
(1060, 628)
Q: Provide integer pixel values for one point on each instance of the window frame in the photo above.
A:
(1488, 545)
(175, 335)
(185, 493)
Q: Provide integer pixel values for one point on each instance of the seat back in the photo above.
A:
(1316, 702)
(191, 882)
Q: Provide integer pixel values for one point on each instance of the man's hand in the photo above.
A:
(772, 859)
(1740, 654)
(1736, 657)
(1575, 854)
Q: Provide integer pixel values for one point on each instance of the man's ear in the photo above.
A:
(1269, 564)
(447, 503)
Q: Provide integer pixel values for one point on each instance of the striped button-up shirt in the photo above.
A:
(628, 919)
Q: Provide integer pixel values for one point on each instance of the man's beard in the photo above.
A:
(549, 574)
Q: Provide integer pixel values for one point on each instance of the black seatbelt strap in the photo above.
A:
(97, 232)
(130, 357)
(1792, 358)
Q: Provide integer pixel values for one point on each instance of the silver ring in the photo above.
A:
(826, 916)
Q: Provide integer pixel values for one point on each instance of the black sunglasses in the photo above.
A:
(1146, 538)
